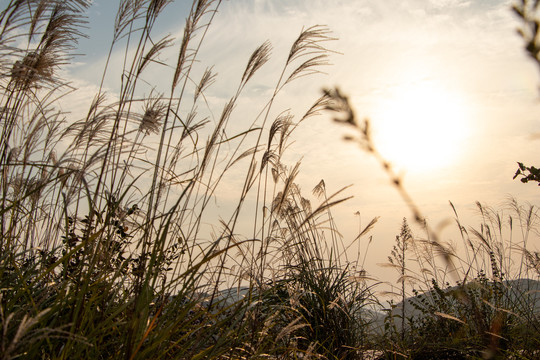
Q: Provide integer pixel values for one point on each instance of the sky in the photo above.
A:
(450, 92)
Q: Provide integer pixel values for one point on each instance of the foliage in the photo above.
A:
(527, 173)
(527, 12)
(482, 317)
(105, 252)
(104, 249)
(324, 296)
(463, 323)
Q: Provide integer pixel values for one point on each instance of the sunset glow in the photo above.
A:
(337, 179)
(421, 127)
(449, 90)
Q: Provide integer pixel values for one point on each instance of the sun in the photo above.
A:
(420, 127)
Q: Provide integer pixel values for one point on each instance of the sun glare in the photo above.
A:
(420, 127)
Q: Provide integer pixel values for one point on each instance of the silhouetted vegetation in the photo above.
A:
(105, 251)
(527, 11)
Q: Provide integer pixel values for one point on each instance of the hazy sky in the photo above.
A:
(452, 96)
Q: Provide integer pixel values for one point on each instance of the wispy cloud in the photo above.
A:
(469, 47)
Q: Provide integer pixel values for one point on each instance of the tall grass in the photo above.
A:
(105, 251)
(477, 301)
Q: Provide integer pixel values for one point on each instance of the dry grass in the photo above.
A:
(104, 251)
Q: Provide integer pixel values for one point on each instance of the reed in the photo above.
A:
(105, 251)
(102, 216)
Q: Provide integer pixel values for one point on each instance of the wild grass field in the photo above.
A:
(106, 251)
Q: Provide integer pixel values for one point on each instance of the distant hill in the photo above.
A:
(521, 296)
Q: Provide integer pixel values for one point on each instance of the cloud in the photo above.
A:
(387, 46)
(450, 3)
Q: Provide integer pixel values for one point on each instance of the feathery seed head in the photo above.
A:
(33, 68)
(153, 113)
(259, 57)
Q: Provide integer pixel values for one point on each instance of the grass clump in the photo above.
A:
(105, 251)
(496, 279)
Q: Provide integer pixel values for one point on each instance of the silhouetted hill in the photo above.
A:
(520, 296)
